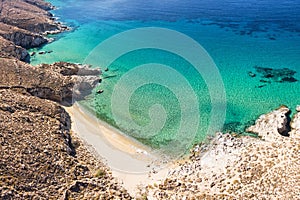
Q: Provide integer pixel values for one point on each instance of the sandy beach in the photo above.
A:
(131, 162)
(202, 175)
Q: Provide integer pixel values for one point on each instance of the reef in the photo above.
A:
(270, 75)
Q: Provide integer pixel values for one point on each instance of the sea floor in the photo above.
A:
(249, 62)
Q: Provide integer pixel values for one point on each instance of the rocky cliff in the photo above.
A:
(60, 82)
(40, 158)
(25, 23)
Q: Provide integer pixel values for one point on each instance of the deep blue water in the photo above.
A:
(238, 35)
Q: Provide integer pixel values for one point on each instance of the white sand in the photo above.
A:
(129, 160)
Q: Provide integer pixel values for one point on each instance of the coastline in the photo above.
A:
(41, 159)
(131, 162)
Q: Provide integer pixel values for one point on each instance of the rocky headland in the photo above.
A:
(41, 158)
(243, 167)
(24, 24)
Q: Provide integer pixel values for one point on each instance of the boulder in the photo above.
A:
(295, 124)
(273, 125)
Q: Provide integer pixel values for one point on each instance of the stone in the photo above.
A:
(251, 74)
(298, 108)
(272, 125)
(295, 125)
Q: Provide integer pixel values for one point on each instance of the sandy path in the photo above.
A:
(130, 161)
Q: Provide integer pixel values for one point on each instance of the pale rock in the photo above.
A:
(273, 125)
(295, 124)
(298, 108)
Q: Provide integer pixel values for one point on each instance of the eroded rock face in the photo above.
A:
(10, 50)
(25, 23)
(83, 77)
(38, 82)
(25, 40)
(273, 125)
(58, 82)
(295, 124)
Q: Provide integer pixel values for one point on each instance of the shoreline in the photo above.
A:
(131, 162)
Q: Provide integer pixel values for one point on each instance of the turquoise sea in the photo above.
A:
(249, 41)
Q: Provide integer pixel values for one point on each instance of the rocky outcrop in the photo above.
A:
(20, 37)
(40, 158)
(41, 4)
(239, 167)
(35, 81)
(295, 124)
(83, 77)
(27, 16)
(273, 125)
(10, 50)
(59, 82)
(26, 23)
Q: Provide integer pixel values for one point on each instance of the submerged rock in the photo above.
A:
(277, 75)
(251, 74)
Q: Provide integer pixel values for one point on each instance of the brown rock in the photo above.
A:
(10, 50)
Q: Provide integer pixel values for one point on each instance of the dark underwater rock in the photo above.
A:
(276, 75)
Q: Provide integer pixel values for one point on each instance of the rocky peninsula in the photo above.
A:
(41, 158)
(243, 167)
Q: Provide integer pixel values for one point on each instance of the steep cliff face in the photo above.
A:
(21, 37)
(26, 15)
(38, 82)
(39, 156)
(10, 50)
(60, 82)
(25, 23)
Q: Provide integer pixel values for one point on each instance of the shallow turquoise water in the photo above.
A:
(259, 34)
